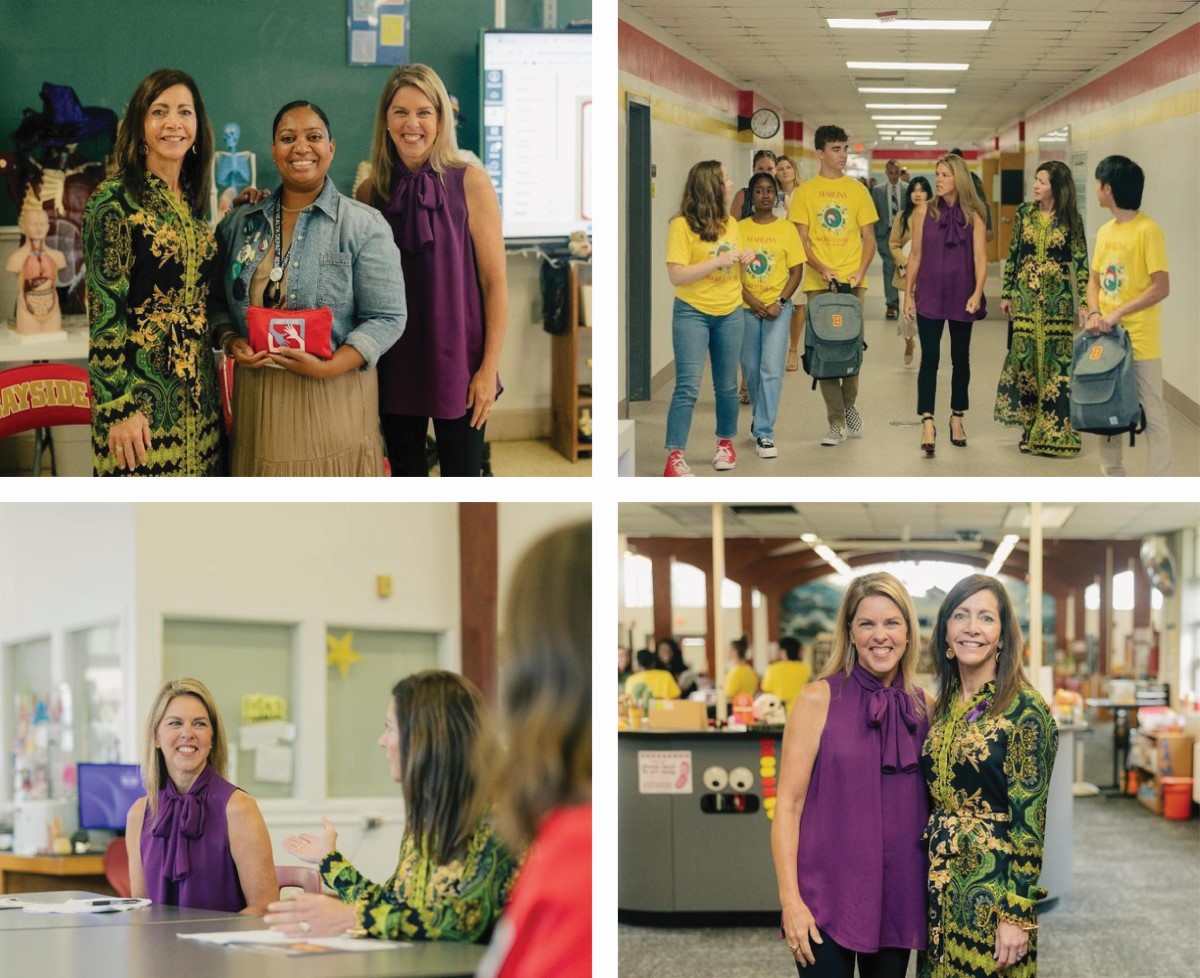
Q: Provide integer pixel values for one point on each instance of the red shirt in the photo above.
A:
(548, 923)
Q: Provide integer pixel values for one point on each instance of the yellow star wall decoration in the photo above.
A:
(340, 653)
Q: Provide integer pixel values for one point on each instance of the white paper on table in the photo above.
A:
(11, 903)
(273, 764)
(91, 905)
(276, 937)
(252, 736)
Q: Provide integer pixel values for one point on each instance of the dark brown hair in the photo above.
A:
(1062, 190)
(442, 721)
(547, 692)
(130, 160)
(1009, 675)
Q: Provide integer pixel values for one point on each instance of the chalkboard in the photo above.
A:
(247, 59)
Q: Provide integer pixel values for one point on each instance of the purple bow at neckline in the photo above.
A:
(950, 219)
(180, 821)
(410, 211)
(890, 710)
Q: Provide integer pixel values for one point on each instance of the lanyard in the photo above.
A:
(273, 294)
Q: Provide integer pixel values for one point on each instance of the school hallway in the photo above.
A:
(887, 399)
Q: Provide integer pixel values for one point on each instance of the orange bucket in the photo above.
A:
(1177, 798)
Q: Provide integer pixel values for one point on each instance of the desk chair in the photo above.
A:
(46, 395)
(116, 867)
(306, 878)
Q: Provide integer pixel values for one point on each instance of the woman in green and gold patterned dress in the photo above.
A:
(454, 875)
(988, 760)
(150, 255)
(1045, 295)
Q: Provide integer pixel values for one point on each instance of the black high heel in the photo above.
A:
(928, 447)
(957, 442)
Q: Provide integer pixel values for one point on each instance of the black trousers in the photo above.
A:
(930, 331)
(460, 447)
(835, 961)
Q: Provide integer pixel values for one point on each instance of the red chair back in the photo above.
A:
(43, 395)
(116, 867)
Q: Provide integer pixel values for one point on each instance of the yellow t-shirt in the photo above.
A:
(777, 249)
(661, 684)
(835, 212)
(785, 679)
(1126, 256)
(719, 292)
(741, 679)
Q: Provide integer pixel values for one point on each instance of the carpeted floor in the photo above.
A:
(1133, 910)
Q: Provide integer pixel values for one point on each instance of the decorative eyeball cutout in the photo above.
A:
(740, 779)
(715, 778)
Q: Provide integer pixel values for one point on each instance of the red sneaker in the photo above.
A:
(726, 457)
(676, 466)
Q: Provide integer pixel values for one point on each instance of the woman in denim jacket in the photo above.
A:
(304, 247)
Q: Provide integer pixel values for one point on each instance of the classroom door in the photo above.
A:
(637, 253)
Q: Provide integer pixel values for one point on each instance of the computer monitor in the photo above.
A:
(106, 793)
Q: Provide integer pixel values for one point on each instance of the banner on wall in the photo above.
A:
(377, 32)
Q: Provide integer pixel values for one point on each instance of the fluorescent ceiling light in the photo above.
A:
(910, 126)
(925, 142)
(907, 65)
(906, 118)
(1003, 549)
(1053, 517)
(901, 105)
(833, 560)
(874, 90)
(901, 24)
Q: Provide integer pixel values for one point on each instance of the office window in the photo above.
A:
(373, 662)
(236, 660)
(40, 711)
(94, 655)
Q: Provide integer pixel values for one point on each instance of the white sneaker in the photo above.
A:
(726, 457)
(854, 424)
(765, 448)
(835, 436)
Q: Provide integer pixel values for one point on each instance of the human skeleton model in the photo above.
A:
(37, 267)
(233, 172)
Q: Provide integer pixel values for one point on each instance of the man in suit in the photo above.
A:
(889, 199)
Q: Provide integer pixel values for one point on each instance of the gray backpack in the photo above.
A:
(1104, 396)
(833, 334)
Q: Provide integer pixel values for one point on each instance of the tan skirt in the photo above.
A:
(288, 425)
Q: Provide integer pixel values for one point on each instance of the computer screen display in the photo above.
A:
(106, 792)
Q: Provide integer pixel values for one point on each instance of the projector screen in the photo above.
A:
(536, 129)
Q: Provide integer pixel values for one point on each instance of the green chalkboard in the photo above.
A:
(247, 58)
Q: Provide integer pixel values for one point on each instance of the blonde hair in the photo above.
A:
(795, 172)
(154, 767)
(844, 656)
(444, 152)
(964, 187)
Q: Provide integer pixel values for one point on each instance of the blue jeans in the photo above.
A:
(764, 350)
(694, 333)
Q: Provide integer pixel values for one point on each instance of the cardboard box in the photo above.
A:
(1150, 795)
(678, 715)
(1174, 755)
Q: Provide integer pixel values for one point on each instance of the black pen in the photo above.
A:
(110, 903)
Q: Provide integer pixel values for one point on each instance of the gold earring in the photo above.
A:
(195, 150)
(144, 148)
(949, 653)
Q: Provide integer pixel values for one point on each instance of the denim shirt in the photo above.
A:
(343, 257)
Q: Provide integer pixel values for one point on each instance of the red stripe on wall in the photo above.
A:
(900, 153)
(793, 132)
(1174, 58)
(642, 56)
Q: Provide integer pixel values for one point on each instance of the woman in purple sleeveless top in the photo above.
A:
(946, 272)
(445, 217)
(196, 840)
(852, 803)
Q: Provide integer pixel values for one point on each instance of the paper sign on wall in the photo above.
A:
(665, 772)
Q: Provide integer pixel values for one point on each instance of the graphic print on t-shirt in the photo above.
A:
(834, 217)
(1113, 280)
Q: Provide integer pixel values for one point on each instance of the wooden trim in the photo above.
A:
(478, 558)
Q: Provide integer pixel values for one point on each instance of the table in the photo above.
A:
(143, 944)
(28, 874)
(14, 350)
